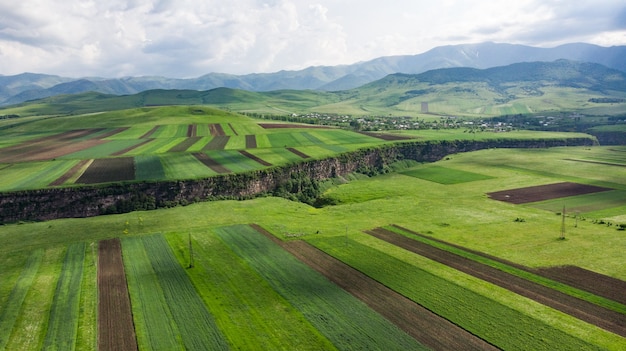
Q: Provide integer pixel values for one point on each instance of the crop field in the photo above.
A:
(114, 146)
(482, 273)
(444, 175)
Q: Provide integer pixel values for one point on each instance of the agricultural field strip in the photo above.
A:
(255, 158)
(476, 313)
(185, 165)
(250, 313)
(609, 162)
(425, 326)
(154, 324)
(115, 322)
(64, 312)
(235, 161)
(11, 309)
(209, 162)
(346, 321)
(586, 306)
(584, 203)
(109, 148)
(196, 325)
(148, 167)
(105, 170)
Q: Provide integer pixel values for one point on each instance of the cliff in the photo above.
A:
(87, 201)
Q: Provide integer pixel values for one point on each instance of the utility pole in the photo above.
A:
(563, 224)
(190, 252)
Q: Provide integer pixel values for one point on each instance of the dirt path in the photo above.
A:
(425, 326)
(612, 321)
(116, 330)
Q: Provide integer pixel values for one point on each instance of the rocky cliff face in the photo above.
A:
(87, 201)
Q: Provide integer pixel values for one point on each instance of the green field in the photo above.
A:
(246, 292)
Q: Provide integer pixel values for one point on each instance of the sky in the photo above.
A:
(190, 38)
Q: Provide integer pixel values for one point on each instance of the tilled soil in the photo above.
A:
(425, 326)
(115, 320)
(609, 320)
(544, 192)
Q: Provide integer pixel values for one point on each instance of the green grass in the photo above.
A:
(196, 325)
(444, 175)
(347, 322)
(13, 305)
(582, 204)
(250, 313)
(64, 313)
(154, 324)
(184, 165)
(474, 312)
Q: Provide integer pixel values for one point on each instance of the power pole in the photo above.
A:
(190, 252)
(563, 224)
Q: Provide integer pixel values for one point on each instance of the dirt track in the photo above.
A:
(116, 330)
(425, 326)
(612, 321)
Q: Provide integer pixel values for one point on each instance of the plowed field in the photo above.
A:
(115, 321)
(423, 325)
(610, 320)
(544, 192)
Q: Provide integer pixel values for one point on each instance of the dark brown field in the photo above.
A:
(185, 144)
(217, 143)
(216, 129)
(62, 179)
(150, 132)
(116, 330)
(130, 148)
(192, 130)
(50, 147)
(287, 125)
(544, 192)
(612, 321)
(104, 170)
(211, 163)
(252, 157)
(251, 141)
(387, 137)
(423, 325)
(299, 153)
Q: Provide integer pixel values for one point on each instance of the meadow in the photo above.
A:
(245, 291)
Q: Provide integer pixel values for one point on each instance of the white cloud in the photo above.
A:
(185, 38)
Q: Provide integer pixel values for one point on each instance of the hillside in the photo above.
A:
(522, 88)
(24, 87)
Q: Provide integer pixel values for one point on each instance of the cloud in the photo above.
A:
(185, 38)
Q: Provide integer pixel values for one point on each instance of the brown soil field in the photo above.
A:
(233, 129)
(217, 143)
(62, 179)
(612, 321)
(211, 163)
(287, 125)
(387, 137)
(544, 192)
(596, 283)
(252, 157)
(116, 330)
(185, 144)
(128, 149)
(192, 130)
(250, 141)
(299, 153)
(423, 325)
(50, 147)
(113, 132)
(104, 170)
(150, 132)
(216, 129)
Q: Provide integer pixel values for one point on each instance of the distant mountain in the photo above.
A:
(28, 86)
(520, 88)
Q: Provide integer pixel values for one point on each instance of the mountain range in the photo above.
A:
(29, 86)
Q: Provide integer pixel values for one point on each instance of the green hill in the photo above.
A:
(523, 88)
